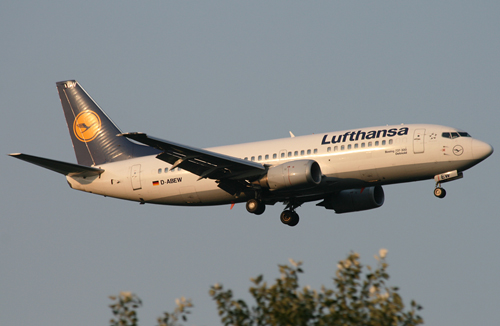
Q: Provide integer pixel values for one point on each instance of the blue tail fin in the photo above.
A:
(92, 132)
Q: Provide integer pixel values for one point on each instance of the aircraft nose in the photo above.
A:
(480, 149)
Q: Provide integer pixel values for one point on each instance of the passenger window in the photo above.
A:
(342, 147)
(390, 141)
(267, 156)
(329, 149)
(246, 158)
(376, 143)
(289, 154)
(356, 145)
(383, 142)
(362, 145)
(259, 158)
(302, 153)
(166, 170)
(252, 158)
(369, 144)
(275, 156)
(159, 171)
(336, 148)
(283, 155)
(296, 153)
(349, 146)
(315, 151)
(308, 152)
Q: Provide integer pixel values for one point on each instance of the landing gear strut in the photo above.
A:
(438, 191)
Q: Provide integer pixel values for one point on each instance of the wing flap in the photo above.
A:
(65, 168)
(204, 163)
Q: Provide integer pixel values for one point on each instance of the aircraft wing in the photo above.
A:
(203, 163)
(59, 166)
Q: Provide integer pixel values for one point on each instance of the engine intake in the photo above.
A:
(354, 200)
(293, 174)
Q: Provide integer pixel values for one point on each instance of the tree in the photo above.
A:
(357, 298)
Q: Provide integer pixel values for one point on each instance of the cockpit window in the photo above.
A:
(455, 134)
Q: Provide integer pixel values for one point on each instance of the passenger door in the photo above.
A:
(418, 141)
(135, 176)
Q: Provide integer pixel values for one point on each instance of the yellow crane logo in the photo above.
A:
(86, 126)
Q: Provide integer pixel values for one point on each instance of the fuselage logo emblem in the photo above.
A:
(86, 126)
(458, 150)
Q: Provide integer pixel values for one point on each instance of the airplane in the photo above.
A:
(344, 170)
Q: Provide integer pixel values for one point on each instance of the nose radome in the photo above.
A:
(480, 149)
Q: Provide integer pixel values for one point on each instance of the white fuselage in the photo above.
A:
(348, 159)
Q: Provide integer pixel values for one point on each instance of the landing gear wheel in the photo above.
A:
(255, 206)
(295, 219)
(289, 218)
(439, 192)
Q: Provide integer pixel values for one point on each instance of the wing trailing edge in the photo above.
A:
(204, 163)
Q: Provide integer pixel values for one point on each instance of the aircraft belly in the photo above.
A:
(185, 190)
(215, 196)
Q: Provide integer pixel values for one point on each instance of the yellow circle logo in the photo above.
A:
(86, 126)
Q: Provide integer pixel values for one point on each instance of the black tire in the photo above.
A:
(295, 219)
(439, 192)
(255, 206)
(286, 217)
(262, 208)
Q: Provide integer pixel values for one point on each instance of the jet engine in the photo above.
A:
(293, 174)
(353, 200)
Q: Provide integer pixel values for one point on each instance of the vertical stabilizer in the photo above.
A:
(92, 132)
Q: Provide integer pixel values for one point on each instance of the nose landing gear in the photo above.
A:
(439, 192)
(445, 177)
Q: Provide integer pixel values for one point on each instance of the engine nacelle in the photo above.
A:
(293, 174)
(353, 200)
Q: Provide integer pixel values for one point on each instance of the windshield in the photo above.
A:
(455, 134)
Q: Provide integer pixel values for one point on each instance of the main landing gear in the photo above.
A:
(288, 216)
(438, 191)
(255, 206)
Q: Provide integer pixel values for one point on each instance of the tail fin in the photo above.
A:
(92, 132)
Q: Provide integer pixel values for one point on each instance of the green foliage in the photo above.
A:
(124, 309)
(180, 312)
(357, 298)
(125, 305)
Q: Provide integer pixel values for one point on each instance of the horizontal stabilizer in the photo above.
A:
(69, 169)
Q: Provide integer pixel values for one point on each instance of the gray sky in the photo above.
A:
(208, 74)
